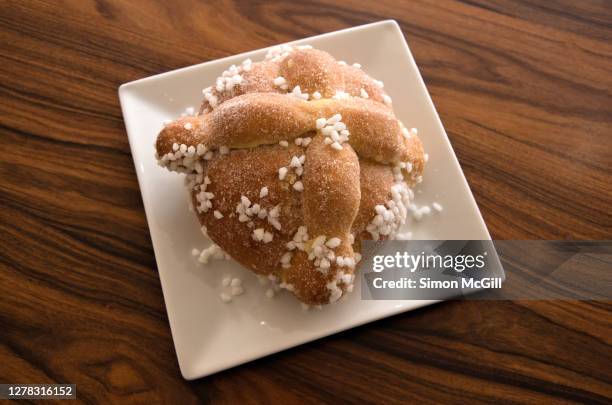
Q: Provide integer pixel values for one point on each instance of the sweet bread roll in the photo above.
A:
(291, 163)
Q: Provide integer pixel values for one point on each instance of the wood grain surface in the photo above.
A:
(522, 87)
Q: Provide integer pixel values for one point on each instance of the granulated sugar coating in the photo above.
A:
(291, 162)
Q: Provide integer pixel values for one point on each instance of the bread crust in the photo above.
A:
(320, 200)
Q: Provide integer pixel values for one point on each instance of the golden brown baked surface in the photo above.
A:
(291, 162)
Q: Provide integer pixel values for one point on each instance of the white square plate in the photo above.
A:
(210, 335)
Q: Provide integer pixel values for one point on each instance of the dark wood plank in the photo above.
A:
(524, 91)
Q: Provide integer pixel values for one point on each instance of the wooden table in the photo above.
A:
(523, 89)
